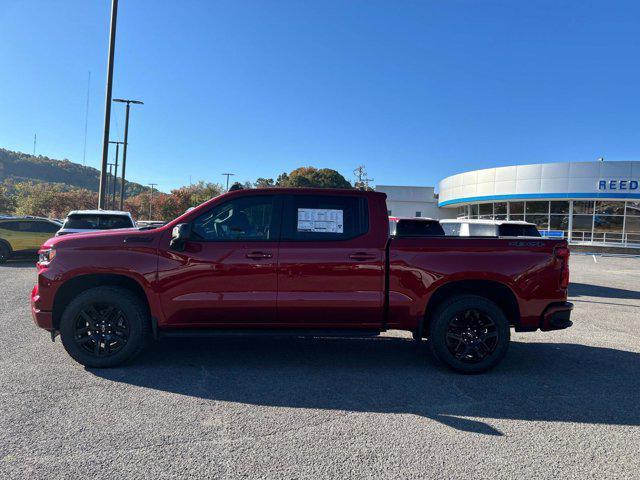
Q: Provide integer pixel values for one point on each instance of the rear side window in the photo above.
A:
(419, 228)
(45, 227)
(326, 217)
(511, 230)
(11, 226)
(97, 222)
(480, 230)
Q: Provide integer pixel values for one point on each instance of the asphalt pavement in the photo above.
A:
(561, 405)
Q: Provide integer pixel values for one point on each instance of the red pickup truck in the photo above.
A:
(301, 262)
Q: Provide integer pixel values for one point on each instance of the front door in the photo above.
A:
(331, 265)
(226, 275)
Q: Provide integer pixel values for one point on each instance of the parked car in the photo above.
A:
(83, 221)
(24, 235)
(488, 228)
(296, 261)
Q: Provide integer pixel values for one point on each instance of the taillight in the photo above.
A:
(562, 254)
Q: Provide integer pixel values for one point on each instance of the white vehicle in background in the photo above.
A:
(84, 221)
(463, 227)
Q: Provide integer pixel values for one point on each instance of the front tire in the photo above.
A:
(469, 333)
(104, 327)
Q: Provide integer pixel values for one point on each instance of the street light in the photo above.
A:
(126, 142)
(107, 105)
(109, 176)
(115, 175)
(228, 175)
(151, 198)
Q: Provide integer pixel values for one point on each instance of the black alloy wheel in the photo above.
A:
(471, 336)
(105, 326)
(101, 329)
(469, 333)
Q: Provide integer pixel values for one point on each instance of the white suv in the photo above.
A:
(463, 227)
(82, 221)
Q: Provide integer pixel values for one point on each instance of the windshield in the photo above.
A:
(97, 222)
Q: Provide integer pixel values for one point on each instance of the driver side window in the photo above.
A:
(244, 218)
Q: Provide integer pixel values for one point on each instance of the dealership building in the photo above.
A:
(585, 202)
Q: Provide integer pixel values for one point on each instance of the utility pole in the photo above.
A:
(126, 142)
(109, 177)
(151, 198)
(228, 175)
(107, 105)
(115, 175)
(35, 139)
(362, 180)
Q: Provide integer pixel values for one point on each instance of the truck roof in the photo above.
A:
(482, 221)
(98, 212)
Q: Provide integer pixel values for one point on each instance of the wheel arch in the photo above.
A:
(6, 244)
(498, 292)
(81, 283)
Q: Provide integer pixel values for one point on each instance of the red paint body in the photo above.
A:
(367, 282)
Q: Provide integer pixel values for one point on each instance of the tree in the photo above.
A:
(7, 201)
(311, 177)
(264, 183)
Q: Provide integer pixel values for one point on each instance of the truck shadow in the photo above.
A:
(588, 290)
(557, 382)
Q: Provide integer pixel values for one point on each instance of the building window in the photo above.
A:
(537, 207)
(500, 210)
(581, 207)
(389, 212)
(516, 208)
(485, 210)
(559, 207)
(418, 213)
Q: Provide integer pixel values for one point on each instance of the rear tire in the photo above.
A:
(5, 253)
(469, 333)
(104, 327)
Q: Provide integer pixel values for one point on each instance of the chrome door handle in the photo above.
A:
(259, 255)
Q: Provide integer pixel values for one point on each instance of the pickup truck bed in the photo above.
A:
(294, 260)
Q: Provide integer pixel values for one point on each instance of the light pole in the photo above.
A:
(115, 175)
(151, 198)
(126, 142)
(228, 175)
(109, 176)
(107, 105)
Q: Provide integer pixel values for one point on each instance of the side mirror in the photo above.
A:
(179, 236)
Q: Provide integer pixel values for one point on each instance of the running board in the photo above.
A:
(266, 332)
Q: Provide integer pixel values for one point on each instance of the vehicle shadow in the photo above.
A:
(536, 381)
(588, 290)
(20, 263)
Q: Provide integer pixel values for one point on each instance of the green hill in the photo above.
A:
(21, 167)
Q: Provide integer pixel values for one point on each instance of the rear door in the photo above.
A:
(331, 263)
(226, 275)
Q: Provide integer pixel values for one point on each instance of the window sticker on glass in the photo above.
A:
(320, 220)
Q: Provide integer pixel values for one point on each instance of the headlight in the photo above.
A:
(45, 256)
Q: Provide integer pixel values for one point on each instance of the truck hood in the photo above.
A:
(101, 238)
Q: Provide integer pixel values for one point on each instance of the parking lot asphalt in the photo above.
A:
(561, 405)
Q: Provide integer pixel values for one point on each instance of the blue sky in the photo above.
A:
(414, 90)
